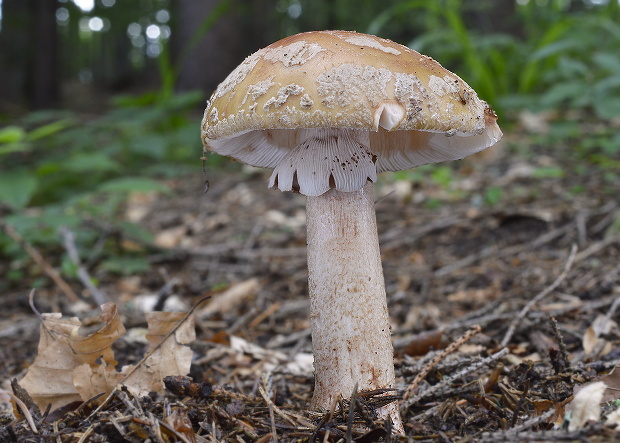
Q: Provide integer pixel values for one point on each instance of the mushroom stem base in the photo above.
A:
(348, 308)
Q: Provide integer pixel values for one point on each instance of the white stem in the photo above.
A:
(348, 308)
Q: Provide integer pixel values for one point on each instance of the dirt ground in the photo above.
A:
(534, 263)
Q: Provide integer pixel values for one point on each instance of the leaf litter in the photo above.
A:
(461, 277)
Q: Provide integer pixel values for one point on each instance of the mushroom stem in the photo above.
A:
(348, 307)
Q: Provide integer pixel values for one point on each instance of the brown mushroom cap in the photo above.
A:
(402, 109)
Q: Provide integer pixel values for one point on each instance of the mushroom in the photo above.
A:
(328, 110)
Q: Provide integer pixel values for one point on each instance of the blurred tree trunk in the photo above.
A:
(14, 50)
(495, 16)
(29, 54)
(46, 85)
(215, 54)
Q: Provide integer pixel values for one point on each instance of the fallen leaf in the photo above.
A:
(591, 339)
(612, 380)
(168, 353)
(62, 349)
(473, 295)
(70, 367)
(271, 360)
(424, 342)
(230, 298)
(586, 406)
(613, 418)
(170, 238)
(139, 204)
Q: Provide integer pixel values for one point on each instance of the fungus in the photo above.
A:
(327, 111)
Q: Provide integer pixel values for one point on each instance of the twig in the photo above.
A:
(286, 415)
(511, 434)
(513, 326)
(597, 247)
(68, 240)
(401, 237)
(430, 365)
(38, 258)
(352, 406)
(612, 310)
(494, 252)
(160, 424)
(86, 434)
(447, 380)
(560, 340)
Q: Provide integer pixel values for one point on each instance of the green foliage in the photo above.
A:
(492, 195)
(127, 265)
(77, 172)
(17, 188)
(559, 53)
(548, 172)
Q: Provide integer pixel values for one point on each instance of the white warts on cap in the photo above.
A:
(305, 102)
(349, 83)
(296, 53)
(283, 95)
(362, 40)
(258, 89)
(213, 115)
(238, 74)
(443, 86)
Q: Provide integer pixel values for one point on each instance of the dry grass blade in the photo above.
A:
(24, 410)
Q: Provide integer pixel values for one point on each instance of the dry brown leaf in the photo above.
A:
(70, 367)
(424, 342)
(62, 349)
(613, 419)
(230, 298)
(612, 380)
(473, 295)
(170, 238)
(300, 364)
(586, 406)
(591, 339)
(168, 353)
(139, 204)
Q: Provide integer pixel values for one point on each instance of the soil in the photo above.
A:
(535, 266)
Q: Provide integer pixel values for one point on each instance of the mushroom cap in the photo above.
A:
(402, 109)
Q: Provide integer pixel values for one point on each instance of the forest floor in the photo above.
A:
(504, 256)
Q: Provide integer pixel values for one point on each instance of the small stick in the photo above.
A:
(38, 258)
(352, 406)
(495, 253)
(597, 247)
(560, 340)
(430, 365)
(86, 434)
(513, 326)
(68, 238)
(272, 418)
(275, 408)
(447, 380)
(511, 434)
